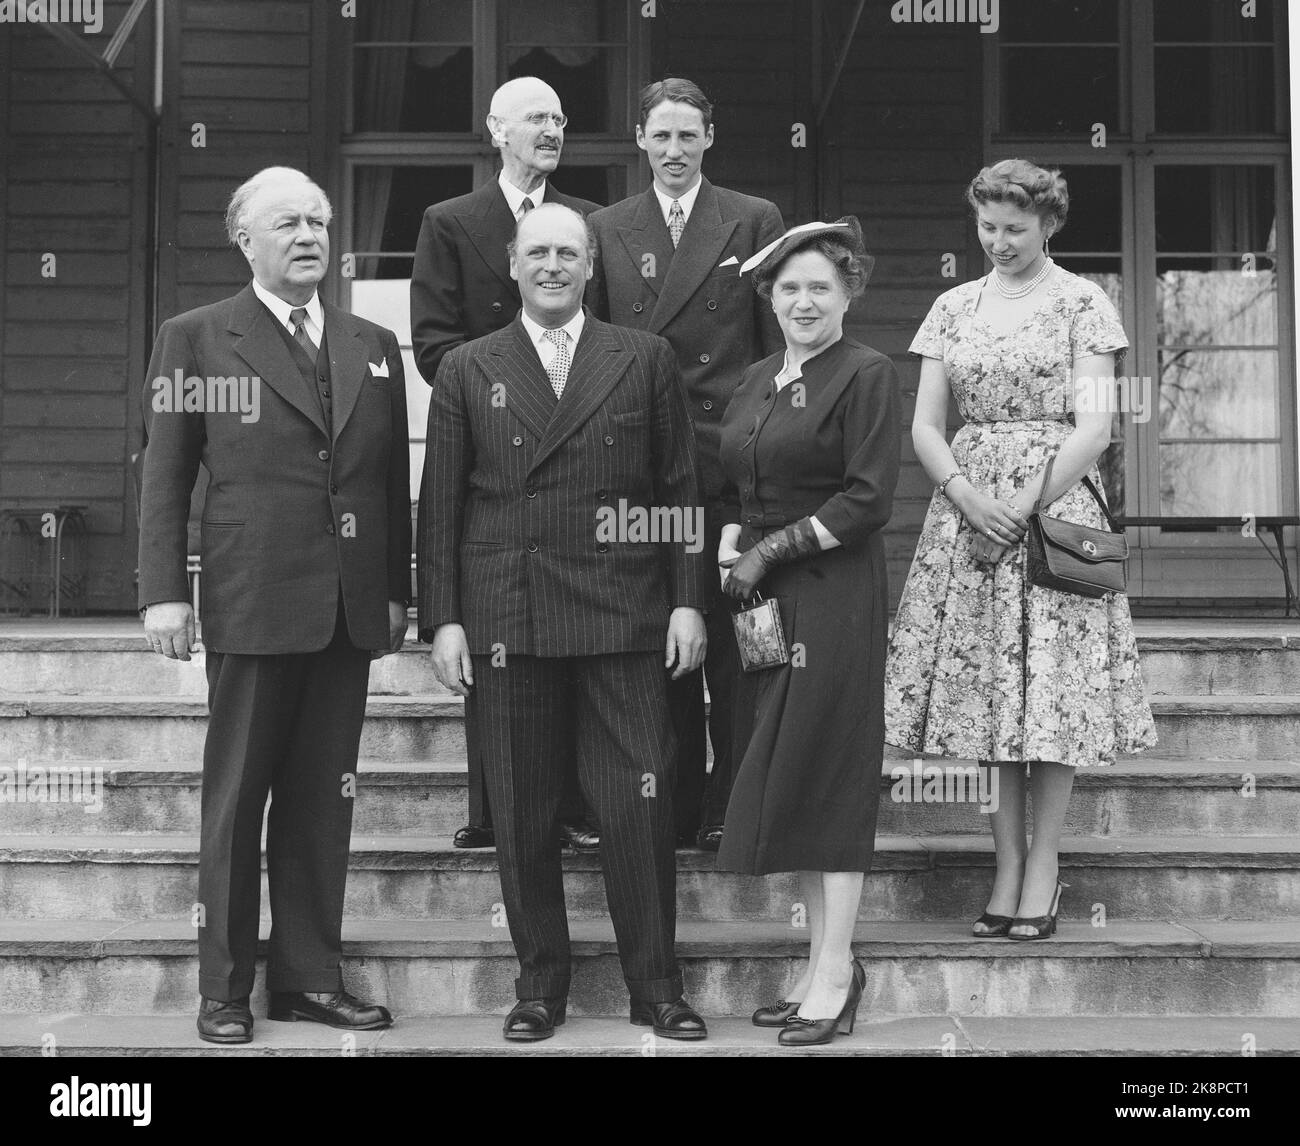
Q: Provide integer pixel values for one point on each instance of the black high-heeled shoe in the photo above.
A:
(801, 1032)
(1043, 925)
(774, 1014)
(998, 926)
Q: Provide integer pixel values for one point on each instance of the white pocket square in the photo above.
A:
(731, 262)
(381, 370)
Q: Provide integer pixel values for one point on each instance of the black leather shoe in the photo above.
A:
(474, 836)
(223, 1021)
(671, 1020)
(710, 837)
(334, 1009)
(532, 1019)
(579, 837)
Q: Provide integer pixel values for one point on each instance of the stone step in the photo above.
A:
(935, 968)
(913, 878)
(46, 727)
(596, 1035)
(1135, 797)
(1177, 659)
(92, 726)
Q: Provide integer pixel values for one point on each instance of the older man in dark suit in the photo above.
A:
(669, 263)
(558, 625)
(461, 289)
(298, 412)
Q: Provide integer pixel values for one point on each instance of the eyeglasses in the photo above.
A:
(542, 118)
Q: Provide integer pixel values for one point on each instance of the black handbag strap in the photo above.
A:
(1092, 489)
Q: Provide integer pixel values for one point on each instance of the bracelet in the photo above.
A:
(943, 485)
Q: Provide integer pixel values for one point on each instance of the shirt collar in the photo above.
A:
(537, 332)
(282, 309)
(514, 196)
(686, 199)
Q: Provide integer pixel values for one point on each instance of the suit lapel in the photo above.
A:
(648, 236)
(597, 366)
(528, 392)
(704, 239)
(349, 363)
(489, 227)
(259, 344)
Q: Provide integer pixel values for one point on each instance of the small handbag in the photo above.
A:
(760, 636)
(1074, 558)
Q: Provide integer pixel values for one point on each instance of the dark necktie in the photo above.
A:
(298, 316)
(524, 207)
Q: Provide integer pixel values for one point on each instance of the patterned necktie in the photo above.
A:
(298, 316)
(524, 207)
(558, 370)
(676, 222)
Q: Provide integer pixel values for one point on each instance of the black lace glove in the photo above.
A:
(790, 544)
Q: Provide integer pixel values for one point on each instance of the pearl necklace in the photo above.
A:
(1029, 287)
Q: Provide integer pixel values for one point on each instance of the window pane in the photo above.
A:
(580, 49)
(603, 185)
(1219, 91)
(413, 66)
(1104, 271)
(1207, 302)
(1096, 202)
(1059, 90)
(1220, 480)
(1213, 21)
(1219, 394)
(389, 203)
(1059, 21)
(1225, 209)
(386, 301)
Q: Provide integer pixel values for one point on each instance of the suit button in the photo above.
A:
(324, 393)
(600, 493)
(705, 359)
(609, 439)
(496, 308)
(712, 304)
(518, 441)
(333, 488)
(602, 548)
(330, 528)
(530, 492)
(532, 547)
(637, 307)
(707, 404)
(324, 455)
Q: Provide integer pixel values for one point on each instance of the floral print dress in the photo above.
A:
(983, 665)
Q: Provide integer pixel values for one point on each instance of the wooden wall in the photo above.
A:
(73, 153)
(899, 143)
(244, 70)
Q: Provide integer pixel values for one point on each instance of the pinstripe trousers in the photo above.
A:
(610, 710)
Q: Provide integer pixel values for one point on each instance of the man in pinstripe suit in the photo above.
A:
(561, 638)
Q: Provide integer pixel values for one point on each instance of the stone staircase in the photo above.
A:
(1180, 932)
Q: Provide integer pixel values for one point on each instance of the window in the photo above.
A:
(1178, 211)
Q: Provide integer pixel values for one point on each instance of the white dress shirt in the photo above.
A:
(545, 348)
(515, 197)
(686, 199)
(315, 312)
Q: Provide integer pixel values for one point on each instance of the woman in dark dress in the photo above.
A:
(810, 445)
